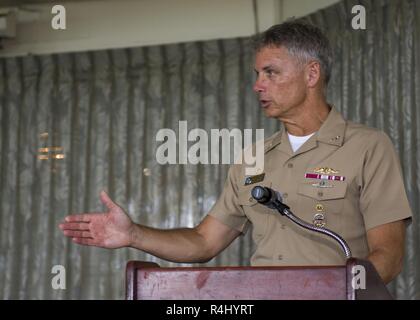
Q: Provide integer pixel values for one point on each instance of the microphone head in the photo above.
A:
(261, 194)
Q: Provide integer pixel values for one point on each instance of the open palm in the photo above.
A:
(112, 229)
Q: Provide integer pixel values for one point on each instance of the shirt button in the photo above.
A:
(285, 195)
(320, 194)
(280, 257)
(251, 199)
(283, 226)
(290, 165)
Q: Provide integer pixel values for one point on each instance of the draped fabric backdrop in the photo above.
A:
(102, 111)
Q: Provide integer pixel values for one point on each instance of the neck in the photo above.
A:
(306, 119)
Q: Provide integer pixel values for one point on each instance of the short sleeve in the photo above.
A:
(226, 209)
(382, 196)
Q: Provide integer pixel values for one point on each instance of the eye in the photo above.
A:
(269, 72)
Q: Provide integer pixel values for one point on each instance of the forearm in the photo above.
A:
(387, 265)
(177, 245)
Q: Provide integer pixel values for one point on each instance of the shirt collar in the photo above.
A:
(273, 141)
(333, 129)
(331, 132)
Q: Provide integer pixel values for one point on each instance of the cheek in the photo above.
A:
(291, 87)
(287, 86)
(285, 91)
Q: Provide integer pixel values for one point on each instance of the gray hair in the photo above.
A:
(303, 41)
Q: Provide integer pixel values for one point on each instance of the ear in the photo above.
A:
(313, 74)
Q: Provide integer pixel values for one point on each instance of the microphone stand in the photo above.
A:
(284, 210)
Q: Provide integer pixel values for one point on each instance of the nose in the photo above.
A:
(259, 85)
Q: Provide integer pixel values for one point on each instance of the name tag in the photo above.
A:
(254, 179)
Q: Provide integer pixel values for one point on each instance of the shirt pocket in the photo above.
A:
(328, 201)
(258, 214)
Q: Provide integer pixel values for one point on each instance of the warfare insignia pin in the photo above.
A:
(325, 170)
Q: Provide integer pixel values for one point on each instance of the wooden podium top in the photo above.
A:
(147, 281)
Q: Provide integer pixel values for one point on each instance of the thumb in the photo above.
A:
(107, 201)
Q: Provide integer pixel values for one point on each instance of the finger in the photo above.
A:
(106, 200)
(77, 234)
(85, 241)
(78, 218)
(74, 226)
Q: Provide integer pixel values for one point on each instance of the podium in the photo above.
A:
(147, 281)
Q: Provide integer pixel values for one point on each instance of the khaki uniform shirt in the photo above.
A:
(369, 193)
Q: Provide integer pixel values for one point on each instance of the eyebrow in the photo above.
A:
(265, 68)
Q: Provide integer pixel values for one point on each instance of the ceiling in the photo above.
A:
(15, 3)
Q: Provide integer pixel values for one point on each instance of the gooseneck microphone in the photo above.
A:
(268, 197)
(273, 200)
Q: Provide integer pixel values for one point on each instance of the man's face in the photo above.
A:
(280, 82)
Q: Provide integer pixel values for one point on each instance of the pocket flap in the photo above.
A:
(337, 191)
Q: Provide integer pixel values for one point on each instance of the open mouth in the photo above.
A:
(265, 103)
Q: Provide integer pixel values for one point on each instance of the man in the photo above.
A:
(335, 174)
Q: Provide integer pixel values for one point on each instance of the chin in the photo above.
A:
(271, 113)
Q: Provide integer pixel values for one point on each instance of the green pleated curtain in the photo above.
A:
(101, 110)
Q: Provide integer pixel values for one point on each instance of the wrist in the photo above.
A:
(135, 234)
(132, 235)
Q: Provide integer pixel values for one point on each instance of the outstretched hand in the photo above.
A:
(112, 229)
